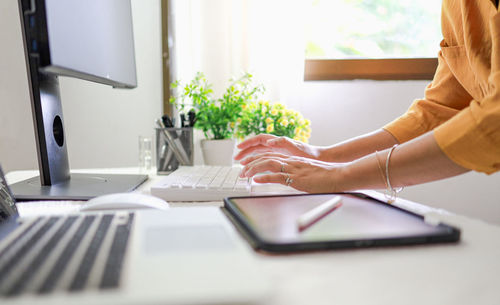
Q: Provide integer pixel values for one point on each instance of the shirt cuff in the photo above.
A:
(462, 140)
(422, 116)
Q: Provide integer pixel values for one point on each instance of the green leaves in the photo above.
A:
(216, 117)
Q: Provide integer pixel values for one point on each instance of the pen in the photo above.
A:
(310, 217)
(184, 122)
(167, 121)
(191, 117)
(167, 163)
(175, 144)
(163, 155)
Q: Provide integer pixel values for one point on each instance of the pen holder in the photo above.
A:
(174, 147)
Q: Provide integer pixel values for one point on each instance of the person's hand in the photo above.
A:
(301, 173)
(270, 143)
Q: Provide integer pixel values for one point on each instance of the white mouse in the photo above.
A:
(119, 201)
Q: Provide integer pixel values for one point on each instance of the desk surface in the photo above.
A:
(463, 273)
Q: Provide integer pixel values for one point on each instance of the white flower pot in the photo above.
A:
(218, 152)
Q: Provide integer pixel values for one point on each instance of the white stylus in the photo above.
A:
(312, 216)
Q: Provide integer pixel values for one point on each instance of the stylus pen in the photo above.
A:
(312, 216)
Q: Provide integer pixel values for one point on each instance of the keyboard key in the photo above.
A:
(86, 265)
(16, 240)
(56, 272)
(23, 251)
(113, 268)
(44, 251)
(40, 258)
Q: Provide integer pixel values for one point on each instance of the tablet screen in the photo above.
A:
(273, 220)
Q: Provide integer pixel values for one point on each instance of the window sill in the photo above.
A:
(377, 69)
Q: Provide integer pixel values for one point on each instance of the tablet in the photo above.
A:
(270, 223)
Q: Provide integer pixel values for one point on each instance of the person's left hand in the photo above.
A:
(301, 173)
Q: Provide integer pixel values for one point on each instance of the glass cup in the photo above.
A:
(145, 153)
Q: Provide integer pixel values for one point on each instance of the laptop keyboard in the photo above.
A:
(202, 183)
(70, 253)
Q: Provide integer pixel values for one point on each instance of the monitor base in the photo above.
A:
(79, 187)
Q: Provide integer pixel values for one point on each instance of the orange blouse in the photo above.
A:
(462, 103)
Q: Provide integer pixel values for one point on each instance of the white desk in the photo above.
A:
(463, 273)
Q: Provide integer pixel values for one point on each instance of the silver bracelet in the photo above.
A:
(391, 195)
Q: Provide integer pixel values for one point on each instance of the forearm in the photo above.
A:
(417, 161)
(357, 147)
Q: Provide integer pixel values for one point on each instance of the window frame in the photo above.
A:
(167, 70)
(375, 69)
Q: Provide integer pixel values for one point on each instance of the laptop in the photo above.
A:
(179, 256)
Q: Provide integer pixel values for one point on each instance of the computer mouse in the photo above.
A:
(119, 201)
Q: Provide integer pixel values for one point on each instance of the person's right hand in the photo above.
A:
(269, 143)
(301, 173)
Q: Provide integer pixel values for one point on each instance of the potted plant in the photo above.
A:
(216, 117)
(264, 117)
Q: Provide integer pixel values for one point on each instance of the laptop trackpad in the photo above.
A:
(187, 239)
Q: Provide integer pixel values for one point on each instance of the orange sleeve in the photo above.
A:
(444, 98)
(472, 137)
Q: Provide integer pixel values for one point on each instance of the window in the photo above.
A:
(375, 39)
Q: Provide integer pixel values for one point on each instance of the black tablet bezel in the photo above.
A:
(449, 235)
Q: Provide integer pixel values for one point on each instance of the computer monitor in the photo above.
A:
(88, 39)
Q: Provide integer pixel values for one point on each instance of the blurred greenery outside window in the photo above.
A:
(374, 39)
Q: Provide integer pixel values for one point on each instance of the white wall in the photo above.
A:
(102, 124)
(17, 146)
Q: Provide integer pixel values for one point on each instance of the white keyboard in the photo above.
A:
(202, 183)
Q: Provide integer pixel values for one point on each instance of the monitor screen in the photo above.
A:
(91, 39)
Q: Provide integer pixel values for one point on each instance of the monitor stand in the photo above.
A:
(55, 181)
(78, 187)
